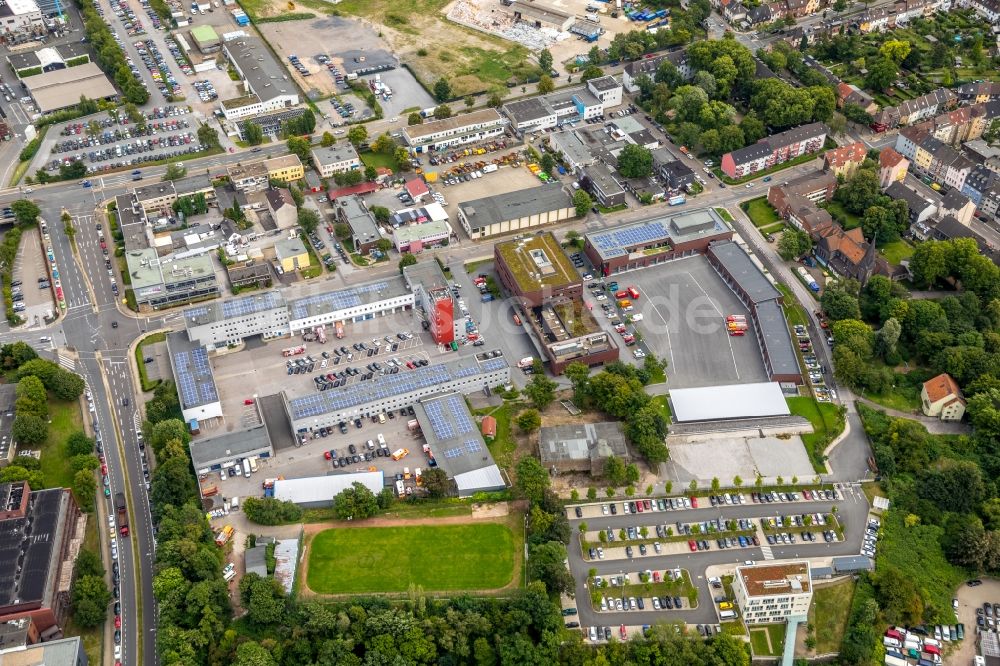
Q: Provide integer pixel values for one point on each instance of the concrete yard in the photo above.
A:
(727, 457)
(684, 304)
(506, 179)
(311, 37)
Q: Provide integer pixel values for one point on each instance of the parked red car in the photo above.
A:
(694, 502)
(693, 546)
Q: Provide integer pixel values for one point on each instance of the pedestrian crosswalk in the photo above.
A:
(67, 363)
(765, 549)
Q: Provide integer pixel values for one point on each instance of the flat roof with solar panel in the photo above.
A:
(216, 311)
(28, 546)
(192, 371)
(354, 398)
(452, 434)
(663, 230)
(343, 299)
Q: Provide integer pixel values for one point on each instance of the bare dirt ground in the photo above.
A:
(416, 31)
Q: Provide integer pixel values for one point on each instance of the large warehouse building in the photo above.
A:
(456, 445)
(393, 392)
(62, 88)
(516, 211)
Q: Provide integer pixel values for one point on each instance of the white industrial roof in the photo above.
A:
(323, 488)
(734, 401)
(482, 479)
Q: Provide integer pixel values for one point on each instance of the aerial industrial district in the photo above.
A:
(500, 332)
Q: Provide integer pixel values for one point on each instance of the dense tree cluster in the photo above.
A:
(63, 384)
(883, 220)
(271, 511)
(110, 56)
(618, 391)
(89, 594)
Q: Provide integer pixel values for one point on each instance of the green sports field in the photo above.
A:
(387, 559)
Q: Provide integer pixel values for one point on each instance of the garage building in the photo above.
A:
(393, 392)
(542, 15)
(583, 447)
(655, 240)
(733, 401)
(763, 299)
(226, 450)
(196, 389)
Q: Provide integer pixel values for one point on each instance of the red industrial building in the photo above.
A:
(655, 240)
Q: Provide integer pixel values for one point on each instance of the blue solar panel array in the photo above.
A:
(332, 301)
(470, 446)
(617, 242)
(494, 364)
(239, 307)
(194, 378)
(386, 386)
(449, 417)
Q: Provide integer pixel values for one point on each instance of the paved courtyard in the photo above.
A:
(727, 457)
(684, 304)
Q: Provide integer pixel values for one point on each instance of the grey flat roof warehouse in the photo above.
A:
(484, 212)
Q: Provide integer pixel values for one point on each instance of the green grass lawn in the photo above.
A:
(503, 445)
(828, 614)
(903, 398)
(897, 251)
(389, 559)
(827, 424)
(760, 212)
(66, 418)
(773, 228)
(662, 405)
(840, 214)
(379, 160)
(93, 639)
(759, 642)
(724, 214)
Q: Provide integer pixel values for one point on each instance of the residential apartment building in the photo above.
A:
(934, 158)
(980, 180)
(892, 167)
(845, 160)
(920, 208)
(941, 397)
(457, 130)
(338, 158)
(914, 110)
(648, 66)
(769, 593)
(774, 149)
(957, 205)
(365, 233)
(256, 176)
(848, 93)
(603, 184)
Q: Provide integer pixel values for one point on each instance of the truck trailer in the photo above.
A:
(122, 508)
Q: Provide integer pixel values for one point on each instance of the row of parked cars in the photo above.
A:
(81, 139)
(157, 66)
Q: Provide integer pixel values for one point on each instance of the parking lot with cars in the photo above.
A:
(31, 286)
(695, 533)
(103, 143)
